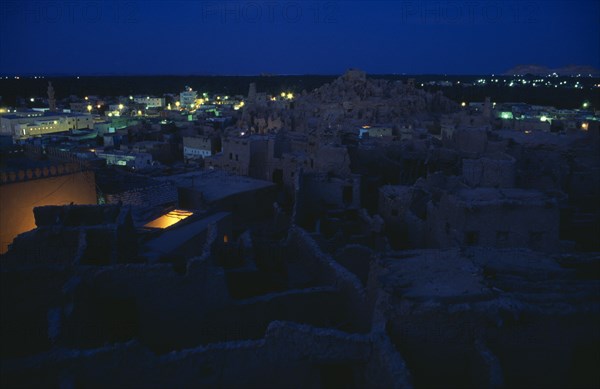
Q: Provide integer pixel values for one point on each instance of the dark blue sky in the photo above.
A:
(294, 37)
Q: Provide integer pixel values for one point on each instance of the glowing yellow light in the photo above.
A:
(169, 219)
(32, 99)
(86, 97)
(543, 119)
(585, 104)
(139, 113)
(120, 106)
(463, 104)
(109, 114)
(177, 104)
(225, 239)
(241, 103)
(89, 107)
(130, 97)
(273, 98)
(290, 96)
(169, 106)
(585, 126)
(282, 94)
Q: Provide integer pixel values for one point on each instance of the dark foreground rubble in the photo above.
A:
(259, 312)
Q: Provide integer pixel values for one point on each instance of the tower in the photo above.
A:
(487, 108)
(51, 99)
(252, 93)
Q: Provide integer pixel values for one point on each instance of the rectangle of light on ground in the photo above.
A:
(169, 219)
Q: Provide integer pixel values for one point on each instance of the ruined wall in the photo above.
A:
(496, 172)
(452, 222)
(328, 271)
(289, 353)
(470, 140)
(68, 235)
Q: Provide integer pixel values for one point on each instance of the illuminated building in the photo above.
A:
(199, 147)
(188, 97)
(150, 102)
(131, 160)
(23, 125)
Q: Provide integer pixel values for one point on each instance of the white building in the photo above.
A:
(198, 147)
(188, 98)
(151, 102)
(22, 125)
(136, 161)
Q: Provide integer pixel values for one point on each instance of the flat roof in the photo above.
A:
(216, 184)
(483, 196)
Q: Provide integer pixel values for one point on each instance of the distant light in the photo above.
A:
(584, 126)
(121, 106)
(282, 94)
(242, 133)
(98, 106)
(463, 104)
(130, 97)
(147, 97)
(32, 99)
(89, 107)
(139, 113)
(543, 119)
(586, 104)
(290, 96)
(86, 98)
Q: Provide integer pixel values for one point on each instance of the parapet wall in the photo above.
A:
(20, 175)
(490, 172)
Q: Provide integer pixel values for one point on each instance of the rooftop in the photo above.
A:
(216, 184)
(485, 196)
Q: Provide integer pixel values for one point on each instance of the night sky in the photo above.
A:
(294, 37)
